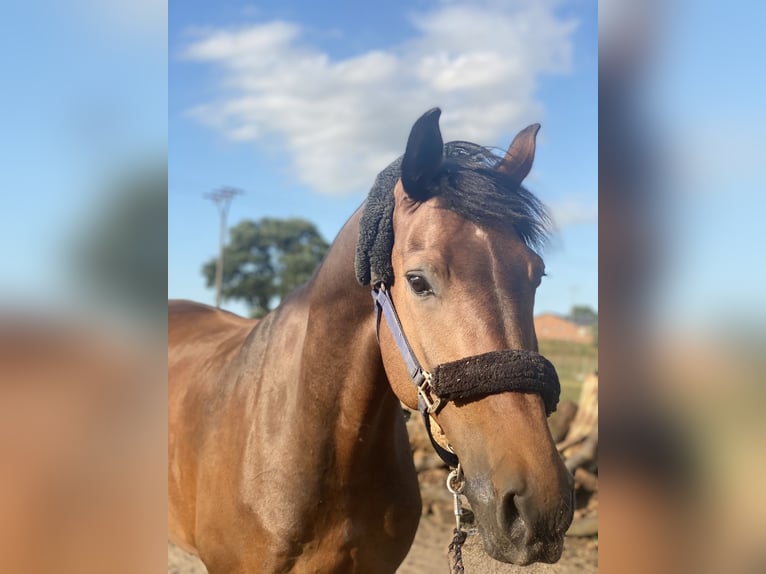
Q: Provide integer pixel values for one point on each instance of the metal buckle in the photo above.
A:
(455, 485)
(424, 390)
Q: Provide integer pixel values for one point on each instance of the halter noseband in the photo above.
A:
(469, 378)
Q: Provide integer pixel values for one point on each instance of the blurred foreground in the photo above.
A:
(82, 483)
(681, 307)
(83, 230)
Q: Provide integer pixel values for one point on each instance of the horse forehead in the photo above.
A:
(436, 230)
(429, 225)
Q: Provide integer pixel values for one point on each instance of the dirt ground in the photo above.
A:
(428, 555)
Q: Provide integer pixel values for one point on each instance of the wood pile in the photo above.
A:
(575, 430)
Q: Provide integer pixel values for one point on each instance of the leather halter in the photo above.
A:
(420, 378)
(508, 370)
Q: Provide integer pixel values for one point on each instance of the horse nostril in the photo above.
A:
(509, 512)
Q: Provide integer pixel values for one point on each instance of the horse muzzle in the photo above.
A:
(522, 513)
(516, 526)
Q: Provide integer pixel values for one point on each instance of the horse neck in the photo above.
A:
(341, 349)
(341, 328)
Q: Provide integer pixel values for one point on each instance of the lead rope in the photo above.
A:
(455, 484)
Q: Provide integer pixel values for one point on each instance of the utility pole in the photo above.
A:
(222, 198)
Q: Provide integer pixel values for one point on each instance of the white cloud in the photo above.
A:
(341, 121)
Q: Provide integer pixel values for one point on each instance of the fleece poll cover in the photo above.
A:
(497, 372)
(376, 230)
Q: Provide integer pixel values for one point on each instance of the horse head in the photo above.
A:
(462, 274)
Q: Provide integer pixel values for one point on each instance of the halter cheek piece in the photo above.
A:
(469, 378)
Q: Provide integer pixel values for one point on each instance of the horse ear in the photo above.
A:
(519, 157)
(423, 155)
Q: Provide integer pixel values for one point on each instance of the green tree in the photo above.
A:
(583, 315)
(587, 317)
(267, 259)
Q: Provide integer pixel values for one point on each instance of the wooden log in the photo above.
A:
(561, 420)
(584, 527)
(585, 422)
(586, 480)
(583, 454)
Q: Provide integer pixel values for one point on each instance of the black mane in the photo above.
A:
(467, 183)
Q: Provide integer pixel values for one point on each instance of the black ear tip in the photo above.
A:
(429, 119)
(433, 113)
(531, 129)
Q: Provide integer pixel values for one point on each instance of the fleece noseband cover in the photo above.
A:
(497, 372)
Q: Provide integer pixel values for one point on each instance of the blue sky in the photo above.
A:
(301, 104)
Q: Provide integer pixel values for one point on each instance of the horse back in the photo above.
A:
(188, 318)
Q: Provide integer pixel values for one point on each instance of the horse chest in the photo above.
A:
(327, 522)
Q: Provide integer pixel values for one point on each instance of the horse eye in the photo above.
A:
(419, 285)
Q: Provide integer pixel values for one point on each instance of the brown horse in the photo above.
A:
(287, 447)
